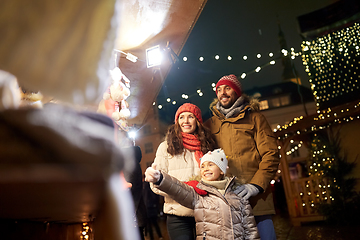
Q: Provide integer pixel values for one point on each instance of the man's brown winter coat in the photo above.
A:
(252, 151)
(217, 216)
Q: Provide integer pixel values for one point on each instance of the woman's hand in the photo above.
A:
(151, 174)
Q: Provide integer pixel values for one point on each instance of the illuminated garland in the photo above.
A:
(321, 160)
(296, 148)
(322, 120)
(319, 189)
(319, 186)
(320, 157)
(332, 63)
(85, 232)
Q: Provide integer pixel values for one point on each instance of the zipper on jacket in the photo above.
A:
(204, 235)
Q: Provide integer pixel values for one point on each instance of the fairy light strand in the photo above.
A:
(293, 54)
(332, 64)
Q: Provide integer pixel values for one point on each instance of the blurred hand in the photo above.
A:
(248, 190)
(151, 174)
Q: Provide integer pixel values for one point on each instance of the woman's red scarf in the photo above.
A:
(192, 142)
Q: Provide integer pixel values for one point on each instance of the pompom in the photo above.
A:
(116, 93)
(124, 113)
(116, 116)
(106, 96)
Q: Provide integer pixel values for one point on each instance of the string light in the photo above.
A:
(245, 74)
(331, 63)
(295, 148)
(185, 96)
(316, 192)
(324, 119)
(85, 232)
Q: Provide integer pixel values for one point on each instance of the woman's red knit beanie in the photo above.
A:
(188, 107)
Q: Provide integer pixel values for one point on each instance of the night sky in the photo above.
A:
(237, 28)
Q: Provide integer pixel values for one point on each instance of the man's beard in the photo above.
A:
(228, 104)
(233, 109)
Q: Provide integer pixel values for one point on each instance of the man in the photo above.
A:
(250, 145)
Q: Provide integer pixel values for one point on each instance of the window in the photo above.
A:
(280, 101)
(285, 100)
(264, 105)
(275, 102)
(149, 147)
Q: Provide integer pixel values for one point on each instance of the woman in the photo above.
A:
(179, 156)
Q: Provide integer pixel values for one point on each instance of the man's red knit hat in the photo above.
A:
(188, 107)
(232, 81)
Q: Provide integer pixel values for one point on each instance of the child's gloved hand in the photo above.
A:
(151, 174)
(248, 190)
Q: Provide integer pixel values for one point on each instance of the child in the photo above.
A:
(219, 212)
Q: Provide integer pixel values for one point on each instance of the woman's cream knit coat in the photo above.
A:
(183, 167)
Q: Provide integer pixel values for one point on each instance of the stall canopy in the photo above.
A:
(64, 49)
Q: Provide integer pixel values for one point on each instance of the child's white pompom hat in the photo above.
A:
(218, 157)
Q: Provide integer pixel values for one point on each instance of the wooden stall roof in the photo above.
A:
(64, 51)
